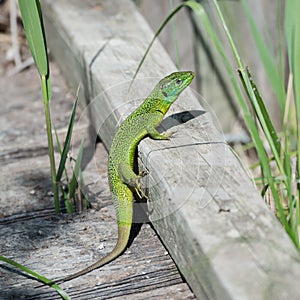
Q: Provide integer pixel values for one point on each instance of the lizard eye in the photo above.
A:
(178, 81)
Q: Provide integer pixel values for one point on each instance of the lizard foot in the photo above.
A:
(142, 174)
(138, 189)
(167, 135)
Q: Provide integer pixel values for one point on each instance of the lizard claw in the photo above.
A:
(167, 135)
(140, 193)
(138, 189)
(142, 173)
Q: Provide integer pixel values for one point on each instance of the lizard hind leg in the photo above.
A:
(131, 179)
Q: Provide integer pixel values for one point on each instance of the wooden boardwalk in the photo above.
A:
(53, 245)
(205, 209)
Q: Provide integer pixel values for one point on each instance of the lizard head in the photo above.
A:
(171, 86)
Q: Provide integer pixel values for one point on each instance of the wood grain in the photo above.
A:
(207, 212)
(54, 246)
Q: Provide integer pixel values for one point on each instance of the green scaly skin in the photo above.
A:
(122, 179)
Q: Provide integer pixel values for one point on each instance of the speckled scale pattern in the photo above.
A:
(132, 130)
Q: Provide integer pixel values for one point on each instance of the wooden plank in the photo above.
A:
(53, 245)
(223, 238)
(56, 245)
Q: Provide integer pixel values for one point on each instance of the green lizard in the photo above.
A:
(122, 179)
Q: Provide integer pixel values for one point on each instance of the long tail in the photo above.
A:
(123, 236)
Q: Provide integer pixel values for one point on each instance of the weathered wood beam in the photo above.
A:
(209, 215)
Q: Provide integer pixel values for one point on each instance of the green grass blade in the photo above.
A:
(45, 280)
(200, 12)
(46, 88)
(85, 194)
(68, 203)
(203, 17)
(280, 156)
(69, 206)
(264, 118)
(58, 142)
(60, 152)
(51, 151)
(251, 124)
(169, 17)
(67, 142)
(33, 25)
(267, 58)
(261, 113)
(76, 171)
(281, 43)
(228, 35)
(264, 159)
(178, 64)
(292, 32)
(253, 93)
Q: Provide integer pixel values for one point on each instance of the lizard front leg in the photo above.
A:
(154, 134)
